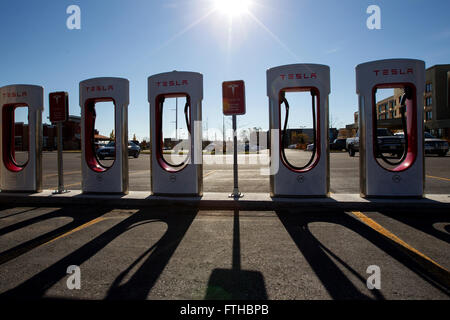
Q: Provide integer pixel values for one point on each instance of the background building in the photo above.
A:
(71, 135)
(21, 136)
(436, 105)
(436, 101)
(303, 137)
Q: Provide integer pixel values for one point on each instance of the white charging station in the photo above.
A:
(97, 178)
(14, 176)
(313, 179)
(407, 177)
(186, 178)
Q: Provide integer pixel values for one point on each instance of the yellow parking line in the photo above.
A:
(140, 172)
(73, 184)
(209, 173)
(439, 178)
(65, 173)
(36, 244)
(83, 226)
(436, 269)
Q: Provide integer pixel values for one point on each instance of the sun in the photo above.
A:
(232, 7)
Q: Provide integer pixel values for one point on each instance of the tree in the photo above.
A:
(334, 122)
(244, 135)
(112, 136)
(134, 137)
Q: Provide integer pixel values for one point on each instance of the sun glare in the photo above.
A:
(232, 7)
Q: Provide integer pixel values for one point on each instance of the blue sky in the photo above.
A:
(138, 38)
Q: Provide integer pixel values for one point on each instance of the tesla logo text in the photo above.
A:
(14, 94)
(298, 76)
(172, 83)
(100, 88)
(393, 72)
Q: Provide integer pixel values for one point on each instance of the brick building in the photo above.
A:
(436, 104)
(21, 136)
(71, 135)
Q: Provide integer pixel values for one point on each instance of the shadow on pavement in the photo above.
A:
(88, 214)
(423, 221)
(17, 213)
(141, 282)
(337, 284)
(235, 283)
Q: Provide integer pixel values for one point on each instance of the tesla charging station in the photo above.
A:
(27, 176)
(185, 178)
(97, 178)
(286, 179)
(406, 176)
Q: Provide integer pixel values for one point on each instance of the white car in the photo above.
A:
(310, 147)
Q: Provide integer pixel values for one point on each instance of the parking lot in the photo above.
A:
(218, 172)
(180, 252)
(202, 254)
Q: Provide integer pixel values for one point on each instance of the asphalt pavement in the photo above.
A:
(189, 254)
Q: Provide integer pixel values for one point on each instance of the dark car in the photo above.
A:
(338, 144)
(434, 145)
(387, 142)
(109, 150)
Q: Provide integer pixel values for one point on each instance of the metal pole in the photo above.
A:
(60, 160)
(257, 141)
(176, 118)
(236, 193)
(224, 145)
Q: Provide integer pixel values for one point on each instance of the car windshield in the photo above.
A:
(111, 144)
(429, 136)
(382, 132)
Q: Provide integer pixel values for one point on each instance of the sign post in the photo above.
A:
(233, 94)
(59, 110)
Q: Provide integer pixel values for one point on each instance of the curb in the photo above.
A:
(220, 201)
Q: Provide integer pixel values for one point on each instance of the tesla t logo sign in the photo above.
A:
(233, 93)
(59, 105)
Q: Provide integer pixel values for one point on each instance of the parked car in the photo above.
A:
(292, 146)
(109, 150)
(352, 145)
(338, 144)
(310, 147)
(434, 145)
(387, 143)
